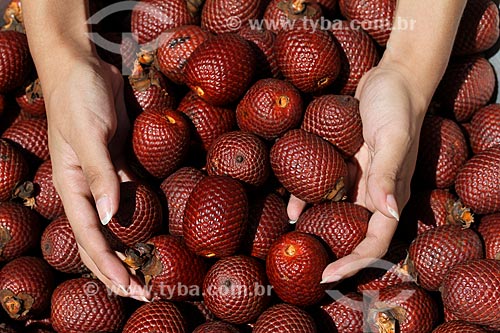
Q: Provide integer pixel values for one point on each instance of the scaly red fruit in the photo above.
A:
(404, 308)
(336, 119)
(30, 99)
(459, 326)
(478, 30)
(270, 108)
(281, 14)
(480, 280)
(16, 63)
(221, 69)
(20, 230)
(216, 217)
(168, 266)
(46, 199)
(160, 140)
(358, 55)
(466, 86)
(308, 58)
(176, 46)
(342, 225)
(343, 315)
(177, 189)
(84, 305)
(485, 128)
(377, 16)
(216, 327)
(32, 137)
(442, 152)
(156, 317)
(236, 289)
(240, 155)
(283, 318)
(26, 284)
(262, 42)
(150, 18)
(294, 266)
(221, 16)
(13, 169)
(436, 251)
(268, 220)
(478, 182)
(209, 121)
(309, 167)
(59, 247)
(489, 229)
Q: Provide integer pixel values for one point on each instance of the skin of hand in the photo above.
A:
(394, 97)
(87, 127)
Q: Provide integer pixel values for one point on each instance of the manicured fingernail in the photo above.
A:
(331, 279)
(292, 221)
(122, 288)
(392, 206)
(103, 206)
(141, 298)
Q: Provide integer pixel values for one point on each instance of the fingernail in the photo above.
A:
(122, 289)
(141, 298)
(103, 206)
(331, 279)
(292, 221)
(392, 206)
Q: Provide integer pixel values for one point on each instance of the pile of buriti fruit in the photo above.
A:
(228, 121)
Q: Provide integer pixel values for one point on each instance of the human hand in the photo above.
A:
(88, 125)
(392, 112)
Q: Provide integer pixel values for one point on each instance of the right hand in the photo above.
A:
(87, 125)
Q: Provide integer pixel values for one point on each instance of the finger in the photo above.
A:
(295, 208)
(374, 246)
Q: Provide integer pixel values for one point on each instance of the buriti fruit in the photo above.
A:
(216, 327)
(30, 99)
(31, 135)
(13, 169)
(218, 16)
(344, 315)
(283, 318)
(45, 199)
(262, 42)
(16, 62)
(489, 229)
(459, 326)
(159, 316)
(485, 128)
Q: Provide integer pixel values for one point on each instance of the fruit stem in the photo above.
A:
(34, 91)
(323, 82)
(13, 16)
(283, 101)
(26, 192)
(290, 250)
(16, 305)
(459, 214)
(338, 192)
(13, 305)
(199, 91)
(5, 237)
(194, 7)
(298, 6)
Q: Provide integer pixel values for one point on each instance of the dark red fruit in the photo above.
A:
(128, 51)
(262, 42)
(31, 136)
(160, 140)
(270, 108)
(221, 69)
(26, 284)
(459, 326)
(466, 86)
(59, 247)
(284, 318)
(377, 16)
(177, 189)
(337, 120)
(240, 155)
(84, 305)
(436, 251)
(284, 14)
(16, 63)
(209, 121)
(342, 225)
(19, 230)
(478, 182)
(403, 308)
(30, 99)
(236, 289)
(158, 316)
(478, 30)
(308, 58)
(308, 166)
(176, 46)
(442, 152)
(150, 18)
(216, 327)
(294, 266)
(489, 229)
(358, 55)
(220, 16)
(268, 220)
(485, 128)
(46, 200)
(13, 169)
(343, 315)
(216, 217)
(172, 271)
(471, 291)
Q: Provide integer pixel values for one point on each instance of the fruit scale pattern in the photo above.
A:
(227, 123)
